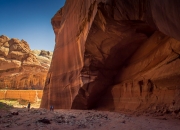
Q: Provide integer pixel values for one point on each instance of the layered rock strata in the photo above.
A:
(115, 55)
(20, 68)
(27, 95)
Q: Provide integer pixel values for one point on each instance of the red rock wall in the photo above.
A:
(24, 81)
(29, 95)
(150, 80)
(20, 68)
(71, 29)
(111, 55)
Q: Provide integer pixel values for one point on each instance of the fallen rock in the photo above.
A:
(124, 121)
(45, 121)
(14, 113)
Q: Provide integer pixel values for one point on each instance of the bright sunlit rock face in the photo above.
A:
(115, 55)
(21, 68)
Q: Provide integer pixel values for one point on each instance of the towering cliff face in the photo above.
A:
(115, 55)
(20, 68)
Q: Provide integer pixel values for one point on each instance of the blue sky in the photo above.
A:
(30, 20)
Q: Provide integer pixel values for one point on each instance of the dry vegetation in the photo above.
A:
(13, 103)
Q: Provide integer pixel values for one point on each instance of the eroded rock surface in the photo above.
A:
(20, 68)
(115, 55)
(44, 57)
(21, 95)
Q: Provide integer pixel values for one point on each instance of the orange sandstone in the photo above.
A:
(115, 55)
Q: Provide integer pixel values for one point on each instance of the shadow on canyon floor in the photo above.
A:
(4, 106)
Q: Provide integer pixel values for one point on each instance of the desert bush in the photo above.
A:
(23, 102)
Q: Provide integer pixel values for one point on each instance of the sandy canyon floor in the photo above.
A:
(42, 119)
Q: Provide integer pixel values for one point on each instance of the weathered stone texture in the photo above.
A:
(21, 68)
(115, 55)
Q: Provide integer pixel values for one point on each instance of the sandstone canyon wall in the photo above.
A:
(115, 55)
(28, 95)
(21, 68)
